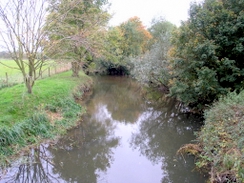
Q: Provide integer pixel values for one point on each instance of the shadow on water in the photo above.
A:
(123, 138)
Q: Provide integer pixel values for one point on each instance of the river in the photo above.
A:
(123, 138)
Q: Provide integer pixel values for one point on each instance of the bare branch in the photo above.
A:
(21, 33)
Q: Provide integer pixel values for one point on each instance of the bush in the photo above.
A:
(222, 139)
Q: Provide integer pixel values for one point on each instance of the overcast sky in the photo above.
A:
(172, 10)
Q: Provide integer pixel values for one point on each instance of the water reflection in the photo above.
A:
(37, 167)
(79, 157)
(161, 133)
(121, 139)
(85, 152)
(121, 97)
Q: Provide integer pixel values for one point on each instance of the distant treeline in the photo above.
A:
(5, 54)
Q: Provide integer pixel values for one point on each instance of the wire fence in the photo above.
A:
(12, 79)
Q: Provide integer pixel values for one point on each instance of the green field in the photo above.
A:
(13, 75)
(10, 74)
(11, 64)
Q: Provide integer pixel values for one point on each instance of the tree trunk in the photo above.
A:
(29, 82)
(75, 69)
(30, 79)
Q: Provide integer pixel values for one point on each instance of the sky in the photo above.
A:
(173, 11)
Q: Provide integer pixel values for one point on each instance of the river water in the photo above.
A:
(122, 139)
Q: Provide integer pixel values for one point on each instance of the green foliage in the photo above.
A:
(75, 30)
(113, 45)
(222, 137)
(208, 53)
(135, 37)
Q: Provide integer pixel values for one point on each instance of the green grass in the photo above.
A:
(9, 70)
(24, 118)
(14, 75)
(9, 75)
(17, 103)
(9, 66)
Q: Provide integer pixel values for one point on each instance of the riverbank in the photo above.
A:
(222, 140)
(220, 148)
(27, 120)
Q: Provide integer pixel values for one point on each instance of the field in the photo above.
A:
(10, 74)
(13, 75)
(4, 69)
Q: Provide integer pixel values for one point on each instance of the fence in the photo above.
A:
(12, 79)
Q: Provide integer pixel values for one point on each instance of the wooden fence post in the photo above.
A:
(7, 78)
(49, 74)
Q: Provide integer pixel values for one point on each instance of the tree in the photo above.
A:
(76, 30)
(136, 37)
(153, 66)
(112, 61)
(113, 44)
(208, 54)
(22, 36)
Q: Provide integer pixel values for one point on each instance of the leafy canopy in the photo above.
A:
(75, 30)
(208, 54)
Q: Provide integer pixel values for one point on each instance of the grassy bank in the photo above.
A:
(51, 109)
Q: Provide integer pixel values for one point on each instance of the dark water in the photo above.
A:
(122, 139)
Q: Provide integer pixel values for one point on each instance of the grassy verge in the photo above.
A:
(221, 141)
(51, 110)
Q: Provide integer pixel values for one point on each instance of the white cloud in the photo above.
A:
(172, 10)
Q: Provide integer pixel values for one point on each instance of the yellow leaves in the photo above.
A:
(172, 51)
(193, 149)
(172, 82)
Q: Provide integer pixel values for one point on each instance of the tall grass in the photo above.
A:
(25, 119)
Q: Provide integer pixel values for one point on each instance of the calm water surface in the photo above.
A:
(122, 139)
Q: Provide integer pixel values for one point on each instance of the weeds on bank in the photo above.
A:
(221, 140)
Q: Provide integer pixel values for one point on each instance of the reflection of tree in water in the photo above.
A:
(87, 151)
(120, 99)
(76, 158)
(162, 132)
(36, 169)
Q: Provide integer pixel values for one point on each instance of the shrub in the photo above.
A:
(222, 139)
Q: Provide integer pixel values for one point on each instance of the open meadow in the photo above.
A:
(10, 74)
